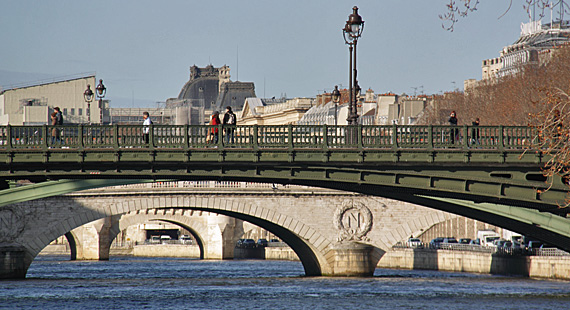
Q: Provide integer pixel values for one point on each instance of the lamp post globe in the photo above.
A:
(88, 96)
(336, 95)
(101, 90)
(356, 23)
(336, 100)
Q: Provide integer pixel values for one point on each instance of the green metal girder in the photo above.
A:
(523, 217)
(54, 188)
(16, 157)
(481, 183)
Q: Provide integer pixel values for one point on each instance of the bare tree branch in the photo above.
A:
(461, 8)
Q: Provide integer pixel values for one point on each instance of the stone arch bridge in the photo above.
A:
(490, 177)
(348, 226)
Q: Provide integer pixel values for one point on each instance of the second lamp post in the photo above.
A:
(352, 31)
(100, 91)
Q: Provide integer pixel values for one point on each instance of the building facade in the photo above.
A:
(32, 104)
(289, 111)
(403, 110)
(209, 89)
(535, 40)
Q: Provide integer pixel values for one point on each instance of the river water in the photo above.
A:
(161, 283)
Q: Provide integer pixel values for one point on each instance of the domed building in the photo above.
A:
(209, 89)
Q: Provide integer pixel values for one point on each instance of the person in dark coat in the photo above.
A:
(229, 119)
(475, 132)
(454, 132)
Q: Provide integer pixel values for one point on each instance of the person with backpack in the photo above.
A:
(58, 116)
(229, 119)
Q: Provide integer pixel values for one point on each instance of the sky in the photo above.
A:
(143, 49)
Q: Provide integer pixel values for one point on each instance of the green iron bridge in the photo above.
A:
(482, 172)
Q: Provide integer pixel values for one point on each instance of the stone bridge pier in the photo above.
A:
(333, 233)
(215, 234)
(92, 241)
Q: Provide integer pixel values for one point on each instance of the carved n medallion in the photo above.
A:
(353, 220)
(11, 224)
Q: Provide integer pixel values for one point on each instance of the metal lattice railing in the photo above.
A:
(258, 136)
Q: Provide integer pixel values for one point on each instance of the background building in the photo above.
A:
(133, 116)
(209, 89)
(32, 104)
(286, 111)
(534, 46)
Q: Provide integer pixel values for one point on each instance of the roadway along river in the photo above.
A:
(158, 283)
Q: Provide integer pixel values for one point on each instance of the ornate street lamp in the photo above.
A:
(352, 32)
(336, 100)
(101, 91)
(88, 96)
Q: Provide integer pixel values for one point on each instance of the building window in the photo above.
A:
(72, 111)
(80, 112)
(65, 111)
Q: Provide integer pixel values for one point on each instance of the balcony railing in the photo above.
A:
(257, 136)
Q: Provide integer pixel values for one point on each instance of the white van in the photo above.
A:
(487, 237)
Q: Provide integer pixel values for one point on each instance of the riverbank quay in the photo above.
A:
(549, 267)
(536, 266)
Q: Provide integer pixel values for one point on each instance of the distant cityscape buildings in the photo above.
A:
(210, 89)
(534, 46)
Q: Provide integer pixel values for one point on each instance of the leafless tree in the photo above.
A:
(457, 9)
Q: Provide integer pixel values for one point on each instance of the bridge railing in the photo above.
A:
(258, 136)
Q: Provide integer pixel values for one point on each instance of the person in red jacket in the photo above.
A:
(215, 121)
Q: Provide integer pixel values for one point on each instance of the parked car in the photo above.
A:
(475, 242)
(239, 243)
(517, 247)
(434, 243)
(248, 244)
(165, 239)
(533, 246)
(414, 242)
(185, 239)
(448, 243)
(504, 245)
(262, 242)
(154, 239)
(465, 240)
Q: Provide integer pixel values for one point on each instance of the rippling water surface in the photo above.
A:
(159, 283)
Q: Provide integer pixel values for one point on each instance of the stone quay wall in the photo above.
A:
(167, 250)
(553, 267)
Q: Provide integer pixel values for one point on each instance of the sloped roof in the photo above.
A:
(249, 107)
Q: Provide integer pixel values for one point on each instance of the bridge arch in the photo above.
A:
(309, 245)
(293, 232)
(194, 226)
(312, 242)
(73, 244)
